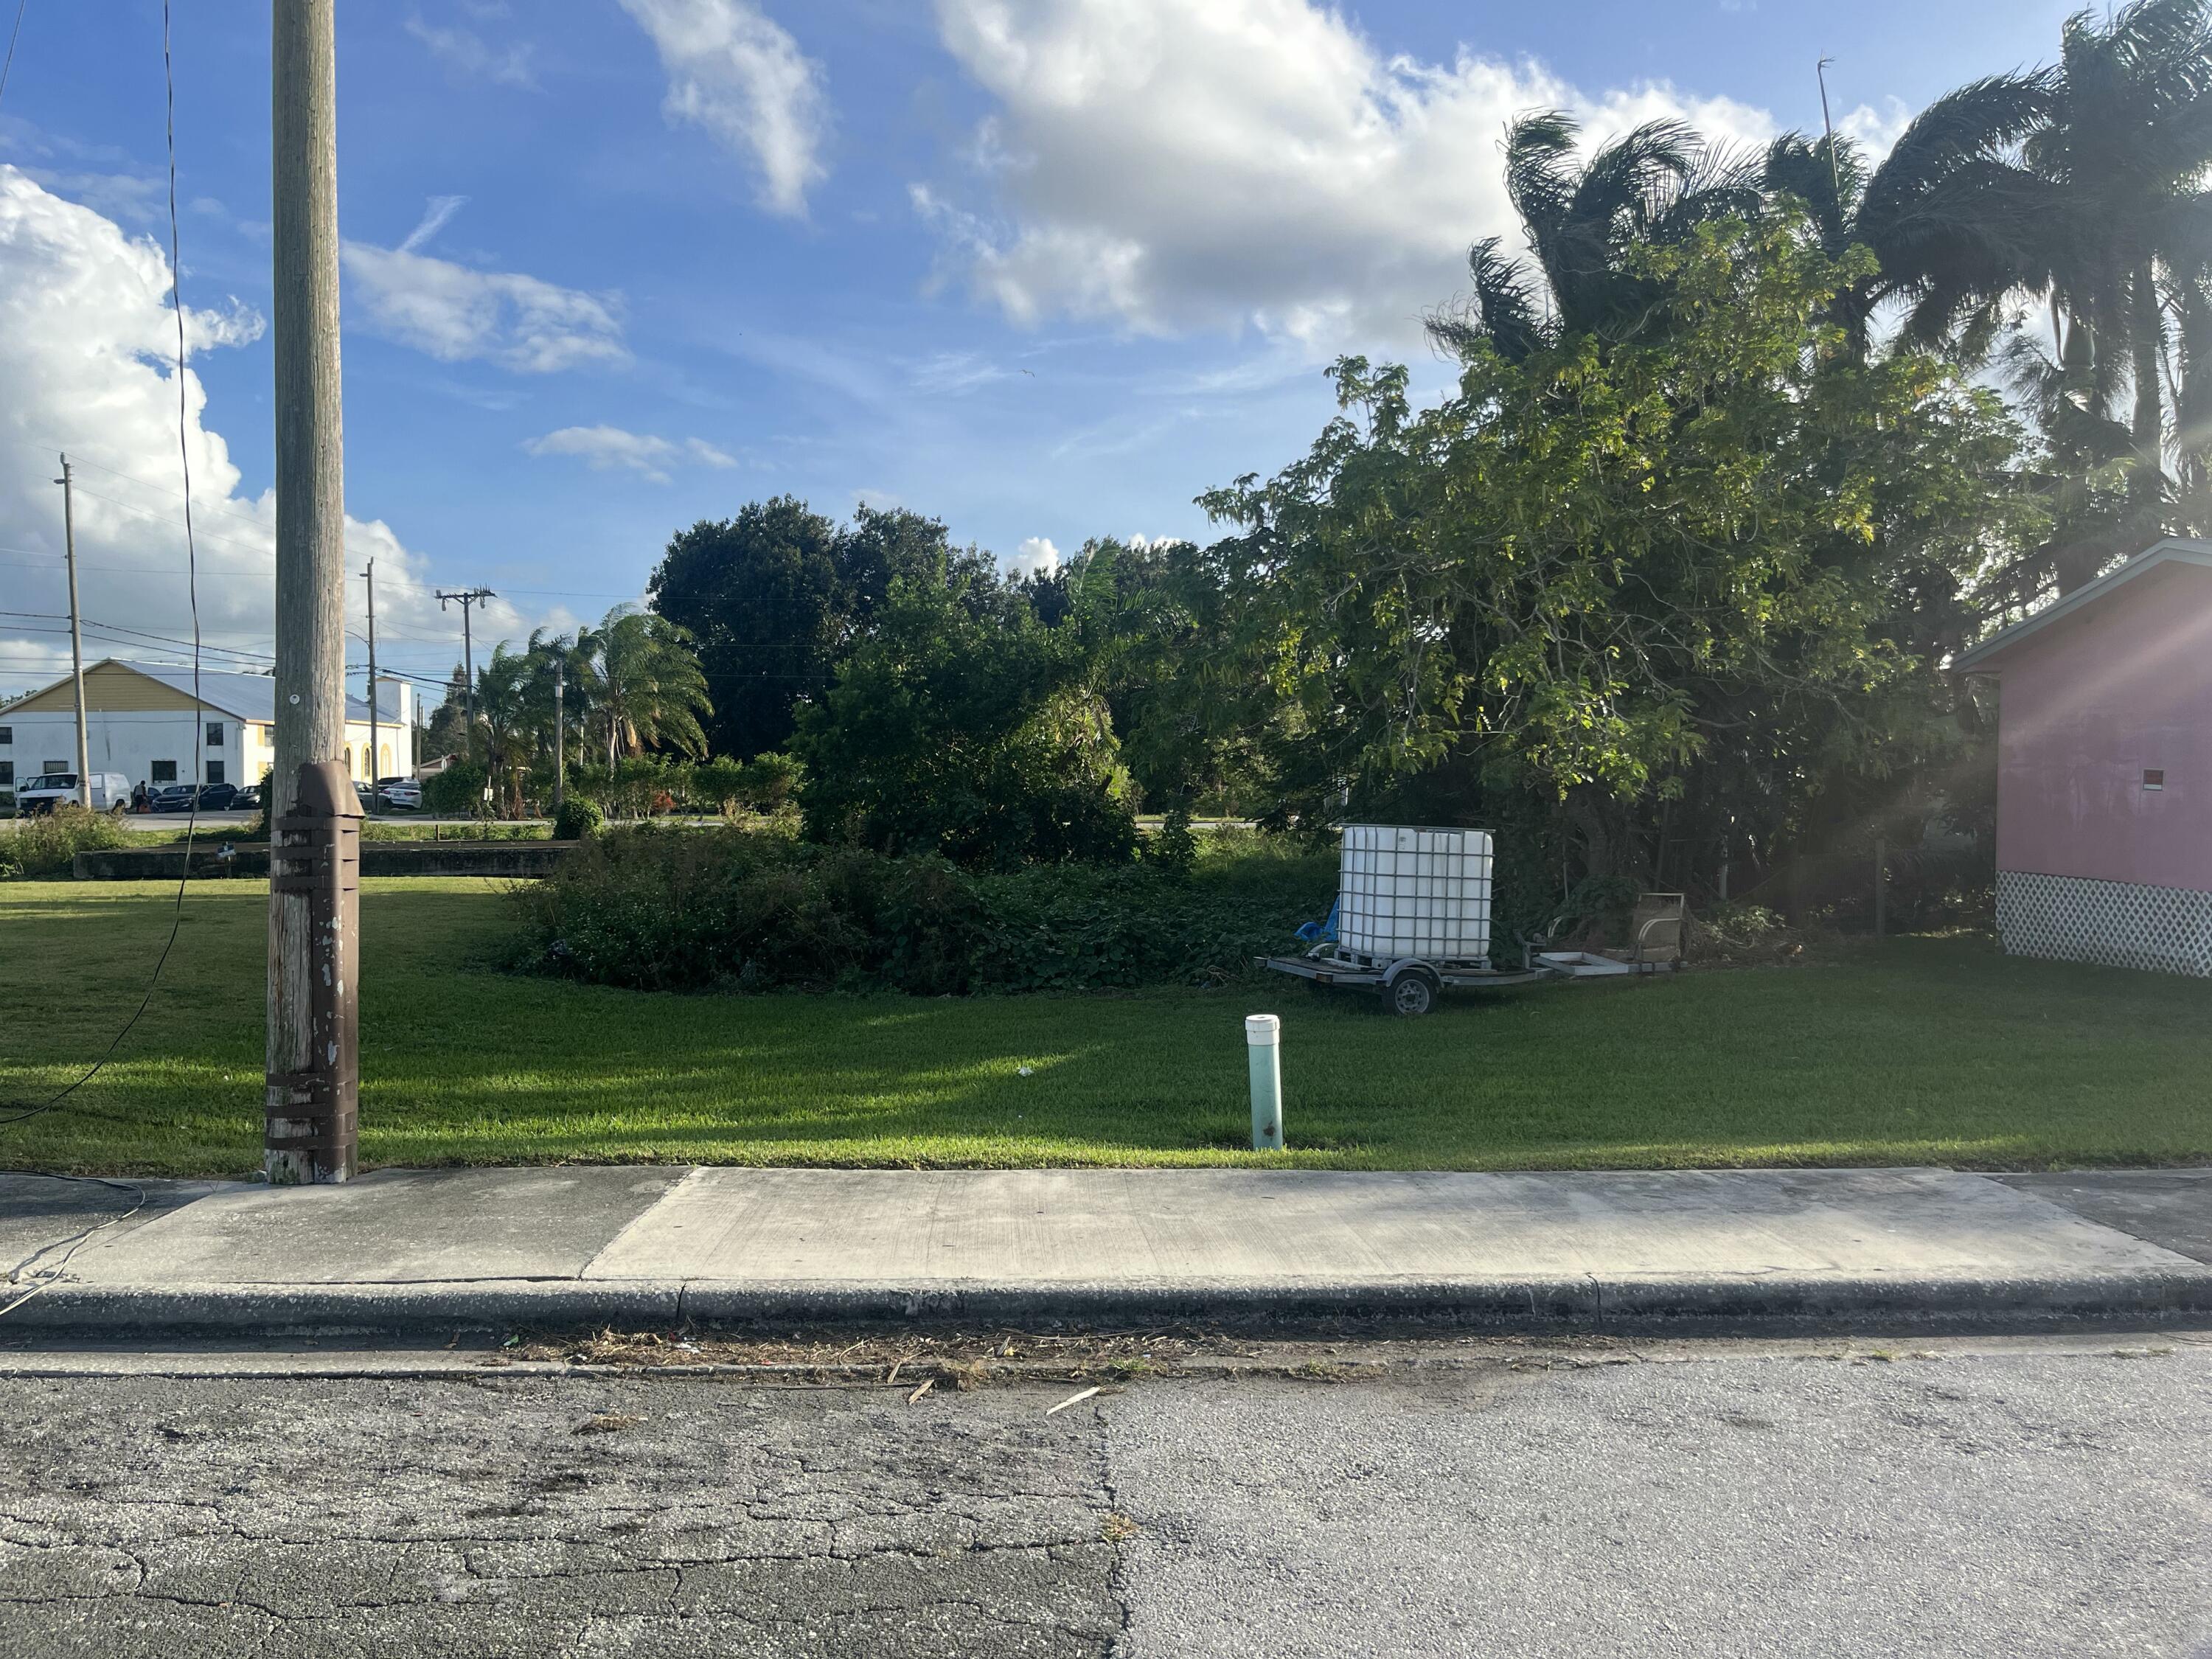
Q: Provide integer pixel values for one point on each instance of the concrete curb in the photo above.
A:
(1730, 1302)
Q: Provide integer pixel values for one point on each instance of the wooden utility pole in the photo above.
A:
(560, 731)
(76, 643)
(369, 573)
(313, 902)
(466, 597)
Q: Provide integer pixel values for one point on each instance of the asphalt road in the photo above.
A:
(2003, 1499)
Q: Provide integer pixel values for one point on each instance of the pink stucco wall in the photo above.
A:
(2087, 706)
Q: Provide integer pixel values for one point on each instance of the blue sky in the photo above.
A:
(1045, 270)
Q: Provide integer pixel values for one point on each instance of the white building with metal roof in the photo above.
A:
(146, 723)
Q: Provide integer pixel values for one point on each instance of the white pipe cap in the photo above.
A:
(1263, 1030)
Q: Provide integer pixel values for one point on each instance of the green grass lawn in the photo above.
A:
(1920, 1051)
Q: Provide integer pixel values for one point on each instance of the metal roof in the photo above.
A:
(2173, 551)
(242, 696)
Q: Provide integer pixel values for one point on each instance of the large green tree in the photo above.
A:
(962, 725)
(776, 596)
(1716, 566)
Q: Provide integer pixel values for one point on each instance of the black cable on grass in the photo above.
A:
(192, 587)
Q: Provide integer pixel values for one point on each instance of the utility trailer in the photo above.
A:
(1409, 984)
(1412, 917)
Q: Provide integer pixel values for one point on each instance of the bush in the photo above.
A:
(46, 845)
(457, 792)
(767, 782)
(659, 908)
(578, 817)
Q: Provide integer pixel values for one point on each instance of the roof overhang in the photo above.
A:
(2174, 550)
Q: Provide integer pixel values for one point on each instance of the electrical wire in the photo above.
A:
(75, 1241)
(20, 6)
(191, 581)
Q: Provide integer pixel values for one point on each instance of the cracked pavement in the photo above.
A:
(243, 1516)
(2013, 1498)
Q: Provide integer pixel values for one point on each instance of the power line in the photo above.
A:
(191, 573)
(12, 34)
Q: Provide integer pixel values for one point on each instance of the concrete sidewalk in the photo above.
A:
(408, 1251)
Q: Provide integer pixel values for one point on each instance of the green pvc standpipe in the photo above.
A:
(1263, 1047)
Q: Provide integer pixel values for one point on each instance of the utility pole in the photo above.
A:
(76, 644)
(369, 575)
(467, 597)
(313, 1074)
(560, 731)
(1828, 126)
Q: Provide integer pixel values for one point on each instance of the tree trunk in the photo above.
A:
(2148, 331)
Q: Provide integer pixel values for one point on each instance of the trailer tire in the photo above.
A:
(1412, 993)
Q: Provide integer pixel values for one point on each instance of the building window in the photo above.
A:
(165, 771)
(7, 772)
(215, 771)
(6, 734)
(2153, 780)
(215, 734)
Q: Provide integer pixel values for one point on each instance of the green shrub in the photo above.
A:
(457, 792)
(46, 845)
(579, 816)
(767, 782)
(1173, 848)
(657, 907)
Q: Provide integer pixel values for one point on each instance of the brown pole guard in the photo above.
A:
(313, 1104)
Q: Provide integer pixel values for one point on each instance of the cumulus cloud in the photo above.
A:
(606, 447)
(1241, 164)
(741, 76)
(457, 313)
(1036, 557)
(86, 355)
(1877, 130)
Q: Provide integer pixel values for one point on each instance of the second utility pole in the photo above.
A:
(369, 573)
(467, 597)
(76, 645)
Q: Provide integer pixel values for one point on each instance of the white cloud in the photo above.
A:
(1877, 130)
(1036, 557)
(605, 447)
(1240, 164)
(86, 355)
(740, 76)
(456, 313)
(466, 53)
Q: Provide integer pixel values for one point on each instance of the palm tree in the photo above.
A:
(644, 682)
(2080, 187)
(504, 718)
(1651, 186)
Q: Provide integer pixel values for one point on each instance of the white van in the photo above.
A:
(111, 793)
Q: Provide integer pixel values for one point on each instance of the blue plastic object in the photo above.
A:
(1322, 932)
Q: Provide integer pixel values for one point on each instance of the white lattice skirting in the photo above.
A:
(2121, 924)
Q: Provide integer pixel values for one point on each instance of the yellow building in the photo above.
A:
(149, 724)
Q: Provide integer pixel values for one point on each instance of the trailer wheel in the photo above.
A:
(1413, 992)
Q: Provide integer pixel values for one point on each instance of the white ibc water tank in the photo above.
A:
(1407, 892)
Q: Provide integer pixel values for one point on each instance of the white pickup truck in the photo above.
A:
(111, 793)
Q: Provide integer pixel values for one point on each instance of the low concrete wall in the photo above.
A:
(520, 860)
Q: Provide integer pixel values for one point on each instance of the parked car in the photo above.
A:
(401, 794)
(247, 799)
(178, 798)
(111, 793)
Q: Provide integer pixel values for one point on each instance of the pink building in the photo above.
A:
(2104, 767)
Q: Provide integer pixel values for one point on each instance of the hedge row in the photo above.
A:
(656, 909)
